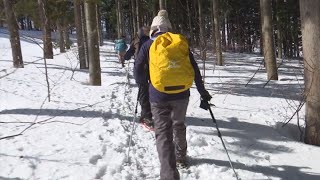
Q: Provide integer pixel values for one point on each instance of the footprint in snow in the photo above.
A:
(94, 159)
(224, 169)
(104, 149)
(198, 141)
(101, 172)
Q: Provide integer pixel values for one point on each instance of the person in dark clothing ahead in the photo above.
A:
(141, 37)
(146, 116)
(172, 70)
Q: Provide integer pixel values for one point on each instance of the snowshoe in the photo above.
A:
(147, 123)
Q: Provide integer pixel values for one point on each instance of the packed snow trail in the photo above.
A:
(86, 129)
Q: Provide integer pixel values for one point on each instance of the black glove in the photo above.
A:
(205, 96)
(204, 105)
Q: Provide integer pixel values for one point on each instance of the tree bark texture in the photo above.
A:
(46, 30)
(279, 32)
(268, 41)
(85, 34)
(14, 34)
(134, 19)
(310, 20)
(202, 34)
(99, 26)
(138, 14)
(119, 19)
(80, 41)
(161, 4)
(61, 37)
(217, 33)
(93, 43)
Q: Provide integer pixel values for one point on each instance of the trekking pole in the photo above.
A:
(220, 136)
(127, 83)
(133, 124)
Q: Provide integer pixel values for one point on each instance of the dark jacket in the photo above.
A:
(135, 46)
(142, 76)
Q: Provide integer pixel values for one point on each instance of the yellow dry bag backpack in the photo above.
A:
(170, 68)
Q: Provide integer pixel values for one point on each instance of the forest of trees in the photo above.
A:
(274, 28)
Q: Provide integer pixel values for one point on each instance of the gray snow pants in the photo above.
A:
(170, 132)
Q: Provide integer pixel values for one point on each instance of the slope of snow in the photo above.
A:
(83, 133)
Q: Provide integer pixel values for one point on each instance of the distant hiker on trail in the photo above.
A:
(146, 115)
(141, 37)
(120, 46)
(172, 72)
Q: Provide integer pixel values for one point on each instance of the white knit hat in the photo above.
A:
(161, 22)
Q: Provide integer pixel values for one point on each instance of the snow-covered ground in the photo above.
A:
(83, 133)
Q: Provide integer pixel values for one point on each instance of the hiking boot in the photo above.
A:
(147, 123)
(181, 163)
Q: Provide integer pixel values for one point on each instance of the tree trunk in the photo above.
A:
(190, 26)
(21, 21)
(268, 42)
(201, 32)
(310, 21)
(29, 23)
(46, 30)
(99, 26)
(66, 36)
(203, 52)
(279, 31)
(134, 19)
(213, 32)
(215, 8)
(224, 43)
(155, 7)
(61, 37)
(14, 34)
(261, 30)
(80, 41)
(137, 13)
(296, 37)
(229, 42)
(119, 19)
(161, 4)
(85, 34)
(93, 43)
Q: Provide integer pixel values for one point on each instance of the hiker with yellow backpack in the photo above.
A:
(172, 70)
